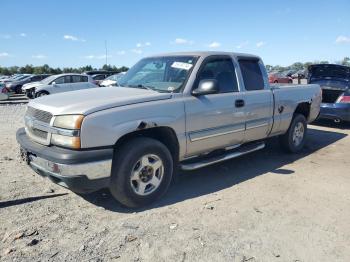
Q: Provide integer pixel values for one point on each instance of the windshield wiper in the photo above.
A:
(142, 87)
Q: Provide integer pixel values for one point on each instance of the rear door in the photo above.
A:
(80, 82)
(258, 99)
(213, 121)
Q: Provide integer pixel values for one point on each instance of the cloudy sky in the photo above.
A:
(73, 33)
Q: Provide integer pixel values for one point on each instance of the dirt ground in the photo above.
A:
(266, 206)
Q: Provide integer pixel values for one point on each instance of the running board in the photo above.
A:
(223, 157)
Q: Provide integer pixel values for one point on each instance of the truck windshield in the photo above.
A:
(162, 74)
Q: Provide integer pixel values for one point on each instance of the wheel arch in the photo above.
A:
(164, 134)
(41, 91)
(303, 108)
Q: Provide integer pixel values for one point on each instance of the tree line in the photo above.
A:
(46, 69)
(304, 66)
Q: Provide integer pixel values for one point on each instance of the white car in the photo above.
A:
(58, 84)
(112, 80)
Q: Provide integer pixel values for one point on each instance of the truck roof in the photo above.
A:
(205, 53)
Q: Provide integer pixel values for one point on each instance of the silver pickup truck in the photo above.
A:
(169, 112)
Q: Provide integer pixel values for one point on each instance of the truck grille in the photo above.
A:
(35, 121)
(38, 133)
(330, 95)
(39, 115)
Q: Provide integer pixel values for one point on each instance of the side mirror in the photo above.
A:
(206, 87)
(53, 83)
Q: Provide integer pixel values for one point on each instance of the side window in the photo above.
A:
(67, 79)
(59, 80)
(223, 71)
(35, 78)
(76, 79)
(84, 79)
(63, 80)
(252, 75)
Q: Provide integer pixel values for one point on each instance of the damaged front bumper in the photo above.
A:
(81, 171)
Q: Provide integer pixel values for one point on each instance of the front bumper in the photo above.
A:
(336, 111)
(81, 171)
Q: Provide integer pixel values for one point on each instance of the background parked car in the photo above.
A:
(112, 80)
(289, 73)
(279, 78)
(335, 83)
(300, 73)
(15, 77)
(16, 85)
(58, 84)
(3, 92)
(98, 78)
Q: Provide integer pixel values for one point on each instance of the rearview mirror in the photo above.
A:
(206, 87)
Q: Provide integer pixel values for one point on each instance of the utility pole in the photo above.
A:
(106, 51)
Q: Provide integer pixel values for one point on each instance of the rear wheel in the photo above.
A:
(275, 81)
(294, 139)
(141, 173)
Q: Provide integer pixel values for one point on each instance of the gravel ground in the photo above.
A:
(266, 206)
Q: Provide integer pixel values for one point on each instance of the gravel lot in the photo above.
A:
(266, 206)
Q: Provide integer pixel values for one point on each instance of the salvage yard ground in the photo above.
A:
(265, 206)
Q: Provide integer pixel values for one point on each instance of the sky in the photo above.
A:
(73, 33)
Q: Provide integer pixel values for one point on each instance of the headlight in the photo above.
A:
(66, 141)
(67, 133)
(68, 121)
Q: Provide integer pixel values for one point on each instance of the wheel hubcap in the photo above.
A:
(298, 134)
(147, 174)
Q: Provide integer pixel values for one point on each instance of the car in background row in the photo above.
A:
(112, 80)
(4, 92)
(15, 77)
(335, 83)
(300, 73)
(279, 78)
(289, 73)
(58, 84)
(16, 85)
(98, 78)
(100, 72)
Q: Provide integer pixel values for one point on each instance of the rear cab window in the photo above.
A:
(252, 75)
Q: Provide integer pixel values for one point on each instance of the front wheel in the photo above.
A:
(141, 173)
(294, 139)
(42, 93)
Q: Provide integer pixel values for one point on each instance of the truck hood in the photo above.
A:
(91, 100)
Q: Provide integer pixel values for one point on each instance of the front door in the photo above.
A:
(213, 121)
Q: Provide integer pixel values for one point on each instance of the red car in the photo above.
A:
(279, 78)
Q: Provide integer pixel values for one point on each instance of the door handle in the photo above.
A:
(239, 103)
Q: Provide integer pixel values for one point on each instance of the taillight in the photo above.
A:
(344, 99)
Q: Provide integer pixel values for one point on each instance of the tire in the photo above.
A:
(42, 93)
(294, 139)
(275, 81)
(290, 81)
(18, 89)
(130, 174)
